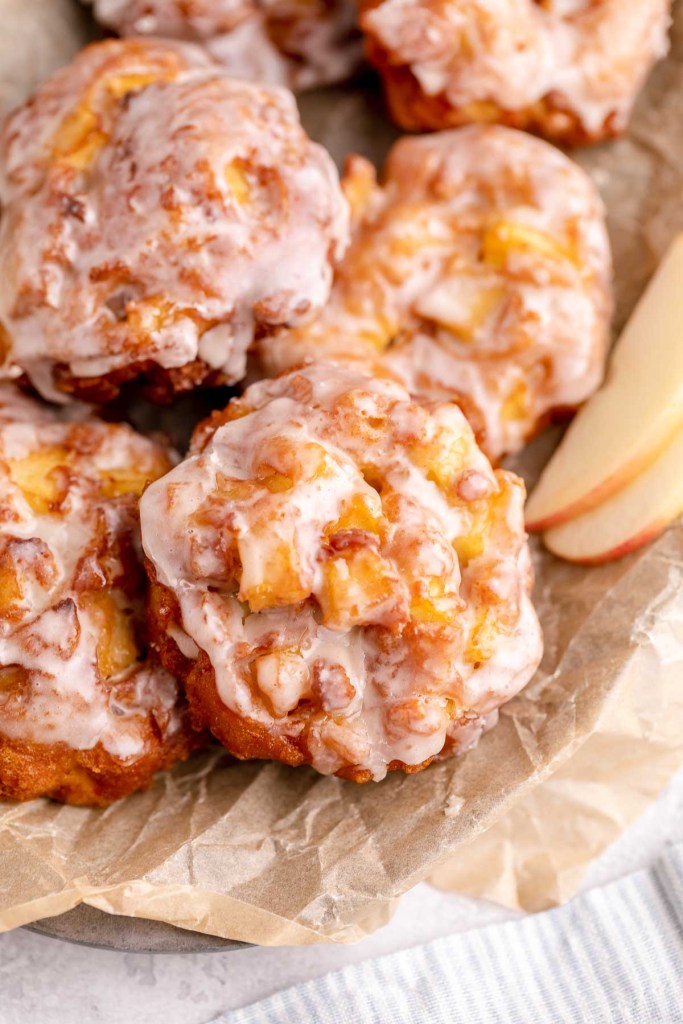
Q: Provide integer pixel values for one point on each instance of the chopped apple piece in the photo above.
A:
(355, 515)
(634, 516)
(506, 238)
(516, 405)
(483, 514)
(117, 481)
(461, 304)
(383, 331)
(81, 136)
(11, 592)
(275, 481)
(79, 139)
(359, 587)
(482, 641)
(119, 86)
(117, 649)
(272, 575)
(631, 419)
(283, 678)
(236, 180)
(432, 604)
(442, 459)
(469, 546)
(34, 475)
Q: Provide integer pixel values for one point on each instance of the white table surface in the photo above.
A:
(44, 981)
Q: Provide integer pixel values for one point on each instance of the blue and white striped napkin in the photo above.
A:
(612, 956)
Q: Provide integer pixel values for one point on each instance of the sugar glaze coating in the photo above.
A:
(157, 214)
(569, 69)
(86, 715)
(343, 580)
(480, 272)
(297, 43)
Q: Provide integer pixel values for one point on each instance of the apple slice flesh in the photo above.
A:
(633, 516)
(627, 423)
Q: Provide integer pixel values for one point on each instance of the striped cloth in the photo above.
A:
(612, 956)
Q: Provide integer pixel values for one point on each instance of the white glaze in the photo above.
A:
(52, 633)
(280, 42)
(203, 213)
(589, 56)
(405, 298)
(359, 668)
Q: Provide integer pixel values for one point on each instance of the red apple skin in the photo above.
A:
(585, 504)
(609, 487)
(646, 536)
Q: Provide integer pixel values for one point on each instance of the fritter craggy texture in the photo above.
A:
(568, 69)
(479, 272)
(86, 716)
(343, 580)
(156, 215)
(297, 43)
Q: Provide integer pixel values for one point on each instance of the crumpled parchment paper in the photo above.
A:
(267, 854)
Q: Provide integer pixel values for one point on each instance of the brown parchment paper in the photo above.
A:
(266, 854)
(36, 37)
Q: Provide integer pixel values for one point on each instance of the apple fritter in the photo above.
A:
(157, 216)
(343, 580)
(87, 714)
(567, 69)
(298, 43)
(479, 271)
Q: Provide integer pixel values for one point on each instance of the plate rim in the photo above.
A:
(88, 926)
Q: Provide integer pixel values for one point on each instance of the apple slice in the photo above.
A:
(628, 422)
(632, 517)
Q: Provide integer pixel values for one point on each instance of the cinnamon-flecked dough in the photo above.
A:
(480, 272)
(298, 43)
(342, 580)
(157, 216)
(87, 713)
(567, 69)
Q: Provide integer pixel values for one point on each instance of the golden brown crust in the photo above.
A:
(342, 580)
(415, 111)
(241, 737)
(479, 272)
(283, 42)
(170, 250)
(570, 74)
(85, 777)
(87, 714)
(159, 384)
